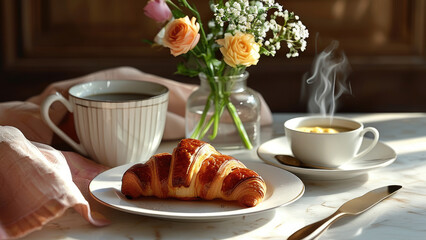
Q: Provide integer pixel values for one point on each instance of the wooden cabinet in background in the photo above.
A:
(50, 40)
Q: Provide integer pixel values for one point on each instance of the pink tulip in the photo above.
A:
(158, 10)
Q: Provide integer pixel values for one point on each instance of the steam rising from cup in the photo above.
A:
(328, 81)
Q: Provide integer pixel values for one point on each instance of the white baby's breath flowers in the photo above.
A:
(211, 24)
(209, 36)
(268, 30)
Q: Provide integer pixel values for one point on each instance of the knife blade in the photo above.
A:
(352, 207)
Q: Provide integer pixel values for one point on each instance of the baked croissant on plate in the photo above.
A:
(195, 170)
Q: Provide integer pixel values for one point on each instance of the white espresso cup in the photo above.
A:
(116, 121)
(327, 149)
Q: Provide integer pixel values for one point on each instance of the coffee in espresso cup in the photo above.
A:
(327, 141)
(116, 121)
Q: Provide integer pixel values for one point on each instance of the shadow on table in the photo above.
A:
(156, 228)
(318, 187)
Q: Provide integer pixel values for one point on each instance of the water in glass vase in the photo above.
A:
(244, 104)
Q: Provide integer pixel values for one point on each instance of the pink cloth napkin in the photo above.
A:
(37, 182)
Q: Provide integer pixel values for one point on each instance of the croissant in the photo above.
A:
(195, 170)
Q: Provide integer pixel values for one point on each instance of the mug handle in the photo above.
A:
(44, 109)
(372, 144)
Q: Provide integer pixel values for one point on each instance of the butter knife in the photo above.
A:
(352, 207)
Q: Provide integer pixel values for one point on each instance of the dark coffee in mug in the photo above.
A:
(118, 97)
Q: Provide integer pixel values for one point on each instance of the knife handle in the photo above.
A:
(314, 230)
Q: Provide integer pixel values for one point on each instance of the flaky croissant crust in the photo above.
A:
(194, 170)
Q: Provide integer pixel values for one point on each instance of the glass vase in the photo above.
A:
(239, 106)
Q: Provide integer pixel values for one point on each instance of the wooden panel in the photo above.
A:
(50, 40)
(363, 26)
(64, 28)
(81, 28)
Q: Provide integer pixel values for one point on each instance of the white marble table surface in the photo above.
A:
(403, 216)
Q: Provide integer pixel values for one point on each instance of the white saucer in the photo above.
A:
(382, 155)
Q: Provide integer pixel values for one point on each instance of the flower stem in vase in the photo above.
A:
(239, 125)
(197, 130)
(221, 100)
(210, 123)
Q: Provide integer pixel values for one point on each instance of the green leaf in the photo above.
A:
(184, 70)
(147, 41)
(216, 62)
(264, 51)
(178, 14)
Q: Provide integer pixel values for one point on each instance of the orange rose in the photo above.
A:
(181, 35)
(240, 49)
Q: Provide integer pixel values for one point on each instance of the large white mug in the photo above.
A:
(116, 121)
(324, 149)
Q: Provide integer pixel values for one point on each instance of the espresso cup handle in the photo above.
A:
(372, 144)
(45, 106)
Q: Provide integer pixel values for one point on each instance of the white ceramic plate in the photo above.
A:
(382, 155)
(282, 188)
